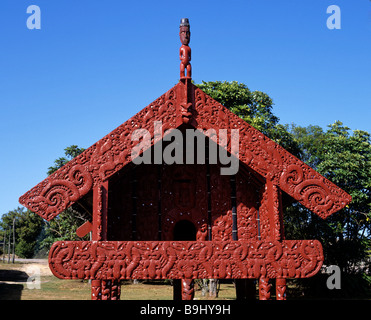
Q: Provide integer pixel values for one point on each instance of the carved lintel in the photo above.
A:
(103, 260)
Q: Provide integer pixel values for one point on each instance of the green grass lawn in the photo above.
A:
(13, 286)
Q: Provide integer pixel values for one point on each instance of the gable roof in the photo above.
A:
(110, 154)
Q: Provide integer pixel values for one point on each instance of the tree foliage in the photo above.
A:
(70, 153)
(27, 228)
(255, 107)
(344, 157)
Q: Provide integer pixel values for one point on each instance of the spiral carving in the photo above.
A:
(314, 193)
(58, 194)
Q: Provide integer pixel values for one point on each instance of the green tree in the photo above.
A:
(345, 159)
(311, 142)
(29, 230)
(255, 107)
(70, 153)
(342, 157)
(28, 227)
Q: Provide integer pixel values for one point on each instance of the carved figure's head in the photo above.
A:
(184, 31)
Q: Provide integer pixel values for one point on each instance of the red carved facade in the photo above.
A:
(184, 221)
(119, 260)
(113, 152)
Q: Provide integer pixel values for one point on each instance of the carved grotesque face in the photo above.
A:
(185, 35)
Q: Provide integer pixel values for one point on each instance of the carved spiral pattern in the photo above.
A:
(58, 194)
(315, 193)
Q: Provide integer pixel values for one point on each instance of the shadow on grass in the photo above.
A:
(12, 291)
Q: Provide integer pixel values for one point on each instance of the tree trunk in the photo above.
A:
(213, 287)
(9, 247)
(13, 251)
(4, 246)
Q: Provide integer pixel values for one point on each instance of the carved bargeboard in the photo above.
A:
(110, 154)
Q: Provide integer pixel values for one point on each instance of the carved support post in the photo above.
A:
(102, 289)
(115, 290)
(280, 289)
(96, 286)
(273, 229)
(264, 288)
(267, 229)
(280, 283)
(106, 289)
(100, 209)
(273, 211)
(276, 222)
(188, 290)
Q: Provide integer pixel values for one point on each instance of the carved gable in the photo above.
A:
(110, 154)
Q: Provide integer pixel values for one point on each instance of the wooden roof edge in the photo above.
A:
(111, 153)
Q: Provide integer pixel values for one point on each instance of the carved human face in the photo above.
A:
(185, 35)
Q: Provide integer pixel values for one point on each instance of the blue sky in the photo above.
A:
(94, 64)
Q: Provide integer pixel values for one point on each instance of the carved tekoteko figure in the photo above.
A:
(185, 50)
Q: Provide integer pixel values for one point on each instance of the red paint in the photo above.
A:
(185, 50)
(84, 229)
(112, 153)
(120, 260)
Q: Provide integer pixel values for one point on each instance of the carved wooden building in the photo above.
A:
(184, 221)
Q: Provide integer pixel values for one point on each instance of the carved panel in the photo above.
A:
(247, 207)
(220, 205)
(183, 197)
(316, 192)
(104, 260)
